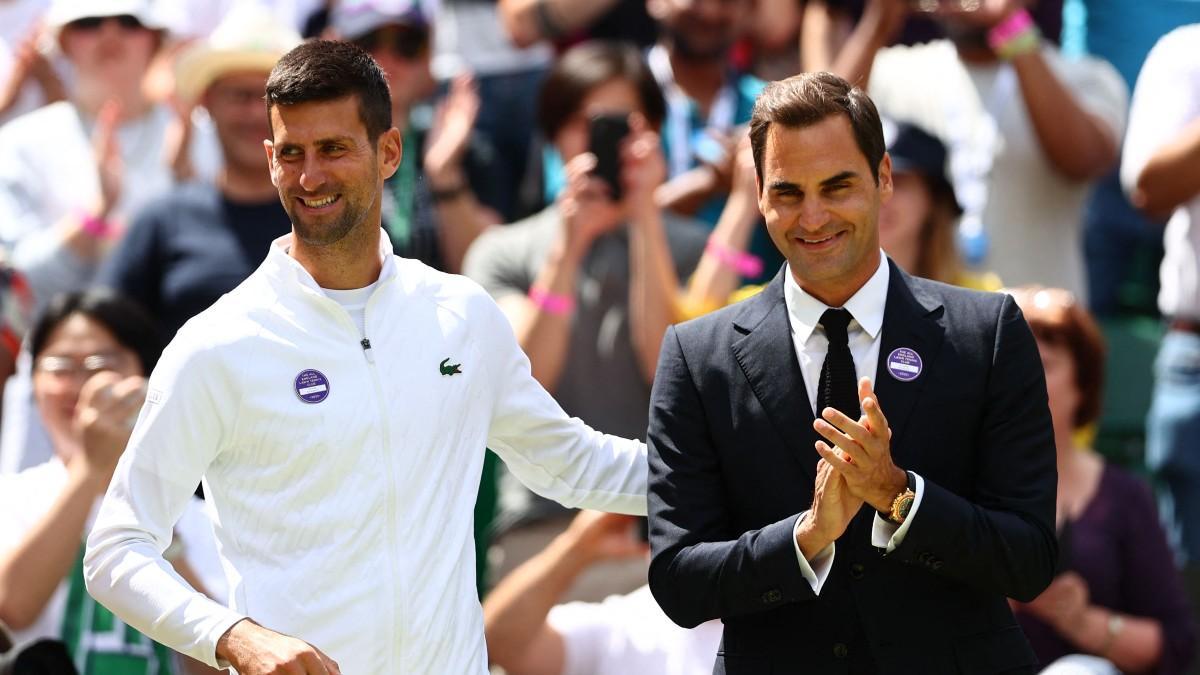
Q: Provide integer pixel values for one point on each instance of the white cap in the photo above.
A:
(63, 12)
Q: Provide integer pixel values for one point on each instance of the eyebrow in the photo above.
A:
(786, 186)
(344, 140)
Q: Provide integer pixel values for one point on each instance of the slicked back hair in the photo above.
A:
(327, 70)
(809, 98)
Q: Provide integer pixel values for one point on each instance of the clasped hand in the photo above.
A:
(861, 451)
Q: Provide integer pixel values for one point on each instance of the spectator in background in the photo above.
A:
(707, 102)
(589, 284)
(1161, 171)
(28, 77)
(919, 224)
(471, 38)
(199, 240)
(1027, 130)
(429, 209)
(73, 172)
(827, 24)
(91, 352)
(529, 633)
(1123, 247)
(1118, 595)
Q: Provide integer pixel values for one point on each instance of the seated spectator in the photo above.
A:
(919, 224)
(1027, 129)
(91, 353)
(589, 284)
(71, 173)
(429, 210)
(1118, 595)
(529, 633)
(198, 241)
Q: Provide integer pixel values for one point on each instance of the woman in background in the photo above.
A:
(1117, 604)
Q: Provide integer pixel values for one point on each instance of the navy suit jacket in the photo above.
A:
(732, 465)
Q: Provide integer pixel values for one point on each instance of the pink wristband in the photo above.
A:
(1013, 27)
(745, 264)
(553, 303)
(93, 225)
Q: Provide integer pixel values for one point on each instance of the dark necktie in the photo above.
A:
(839, 383)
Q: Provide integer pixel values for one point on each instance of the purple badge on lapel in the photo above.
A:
(904, 364)
(312, 386)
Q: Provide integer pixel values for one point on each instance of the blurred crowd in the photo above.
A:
(587, 163)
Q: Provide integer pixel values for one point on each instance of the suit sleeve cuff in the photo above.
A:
(888, 535)
(814, 571)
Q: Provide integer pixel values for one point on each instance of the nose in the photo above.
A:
(312, 177)
(813, 214)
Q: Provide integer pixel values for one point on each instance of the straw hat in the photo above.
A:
(248, 38)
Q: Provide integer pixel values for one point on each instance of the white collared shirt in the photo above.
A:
(808, 338)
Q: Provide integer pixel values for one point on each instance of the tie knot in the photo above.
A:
(835, 321)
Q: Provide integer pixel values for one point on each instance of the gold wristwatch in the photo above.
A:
(903, 502)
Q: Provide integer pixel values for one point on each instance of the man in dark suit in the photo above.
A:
(939, 492)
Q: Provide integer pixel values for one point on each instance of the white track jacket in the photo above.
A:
(342, 468)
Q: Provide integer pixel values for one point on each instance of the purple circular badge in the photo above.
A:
(904, 364)
(312, 386)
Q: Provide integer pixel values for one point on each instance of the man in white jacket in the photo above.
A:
(337, 405)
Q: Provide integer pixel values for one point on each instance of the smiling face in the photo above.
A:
(821, 204)
(328, 171)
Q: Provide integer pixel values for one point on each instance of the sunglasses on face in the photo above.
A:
(402, 42)
(125, 21)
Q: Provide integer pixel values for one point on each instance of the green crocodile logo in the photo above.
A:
(451, 369)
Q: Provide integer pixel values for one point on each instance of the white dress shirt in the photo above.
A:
(808, 337)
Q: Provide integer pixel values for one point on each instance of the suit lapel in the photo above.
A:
(912, 320)
(768, 360)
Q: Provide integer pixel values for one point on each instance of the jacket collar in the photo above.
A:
(288, 275)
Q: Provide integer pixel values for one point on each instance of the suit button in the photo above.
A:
(856, 571)
(772, 596)
(924, 557)
(936, 565)
(841, 651)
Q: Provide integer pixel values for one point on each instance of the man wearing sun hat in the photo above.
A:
(201, 239)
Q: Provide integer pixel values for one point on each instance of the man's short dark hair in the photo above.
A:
(327, 70)
(809, 98)
(587, 66)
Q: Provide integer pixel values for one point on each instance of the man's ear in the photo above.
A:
(269, 148)
(390, 150)
(885, 178)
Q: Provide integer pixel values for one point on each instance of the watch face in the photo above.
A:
(906, 503)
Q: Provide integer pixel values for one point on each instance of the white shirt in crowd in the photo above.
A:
(342, 466)
(27, 496)
(1165, 101)
(630, 635)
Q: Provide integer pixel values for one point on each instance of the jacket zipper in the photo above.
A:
(393, 519)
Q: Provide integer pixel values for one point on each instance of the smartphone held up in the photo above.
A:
(605, 134)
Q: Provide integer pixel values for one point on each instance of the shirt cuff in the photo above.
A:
(887, 535)
(815, 571)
